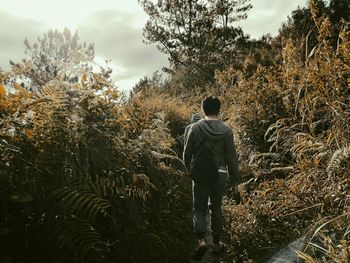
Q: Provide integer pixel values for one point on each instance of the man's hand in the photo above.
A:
(235, 189)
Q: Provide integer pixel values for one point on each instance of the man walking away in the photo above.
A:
(217, 137)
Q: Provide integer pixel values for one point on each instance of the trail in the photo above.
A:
(209, 257)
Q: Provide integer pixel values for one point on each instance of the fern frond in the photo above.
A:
(80, 199)
(307, 146)
(273, 128)
(101, 185)
(170, 160)
(340, 161)
(256, 158)
(78, 238)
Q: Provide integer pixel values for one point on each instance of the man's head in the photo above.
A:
(211, 106)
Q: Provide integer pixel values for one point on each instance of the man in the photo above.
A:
(219, 137)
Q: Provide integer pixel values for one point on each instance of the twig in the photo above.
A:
(301, 210)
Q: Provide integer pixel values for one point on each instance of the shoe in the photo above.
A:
(199, 252)
(218, 248)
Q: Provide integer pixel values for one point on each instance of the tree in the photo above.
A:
(194, 33)
(58, 55)
(301, 29)
(339, 9)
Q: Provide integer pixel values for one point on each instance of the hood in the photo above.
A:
(213, 129)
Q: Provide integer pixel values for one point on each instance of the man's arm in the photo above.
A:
(188, 148)
(186, 133)
(231, 159)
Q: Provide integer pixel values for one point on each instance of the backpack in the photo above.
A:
(204, 168)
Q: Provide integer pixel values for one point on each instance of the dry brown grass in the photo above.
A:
(292, 131)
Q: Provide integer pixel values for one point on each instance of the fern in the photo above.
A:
(81, 200)
(339, 162)
(78, 239)
(170, 160)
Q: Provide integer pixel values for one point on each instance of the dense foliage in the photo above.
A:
(288, 103)
(292, 125)
(88, 175)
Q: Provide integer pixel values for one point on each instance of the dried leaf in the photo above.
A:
(2, 91)
(21, 90)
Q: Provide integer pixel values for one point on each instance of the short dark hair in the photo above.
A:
(211, 106)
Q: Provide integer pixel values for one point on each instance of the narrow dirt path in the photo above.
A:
(209, 257)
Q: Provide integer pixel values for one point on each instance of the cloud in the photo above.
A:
(116, 35)
(117, 38)
(268, 16)
(13, 31)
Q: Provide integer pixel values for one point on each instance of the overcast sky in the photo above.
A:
(115, 26)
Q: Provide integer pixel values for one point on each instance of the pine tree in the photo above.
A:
(195, 34)
(58, 55)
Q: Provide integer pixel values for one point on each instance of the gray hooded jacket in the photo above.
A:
(220, 138)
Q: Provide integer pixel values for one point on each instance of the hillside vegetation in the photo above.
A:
(88, 174)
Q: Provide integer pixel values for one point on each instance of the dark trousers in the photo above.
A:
(202, 193)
